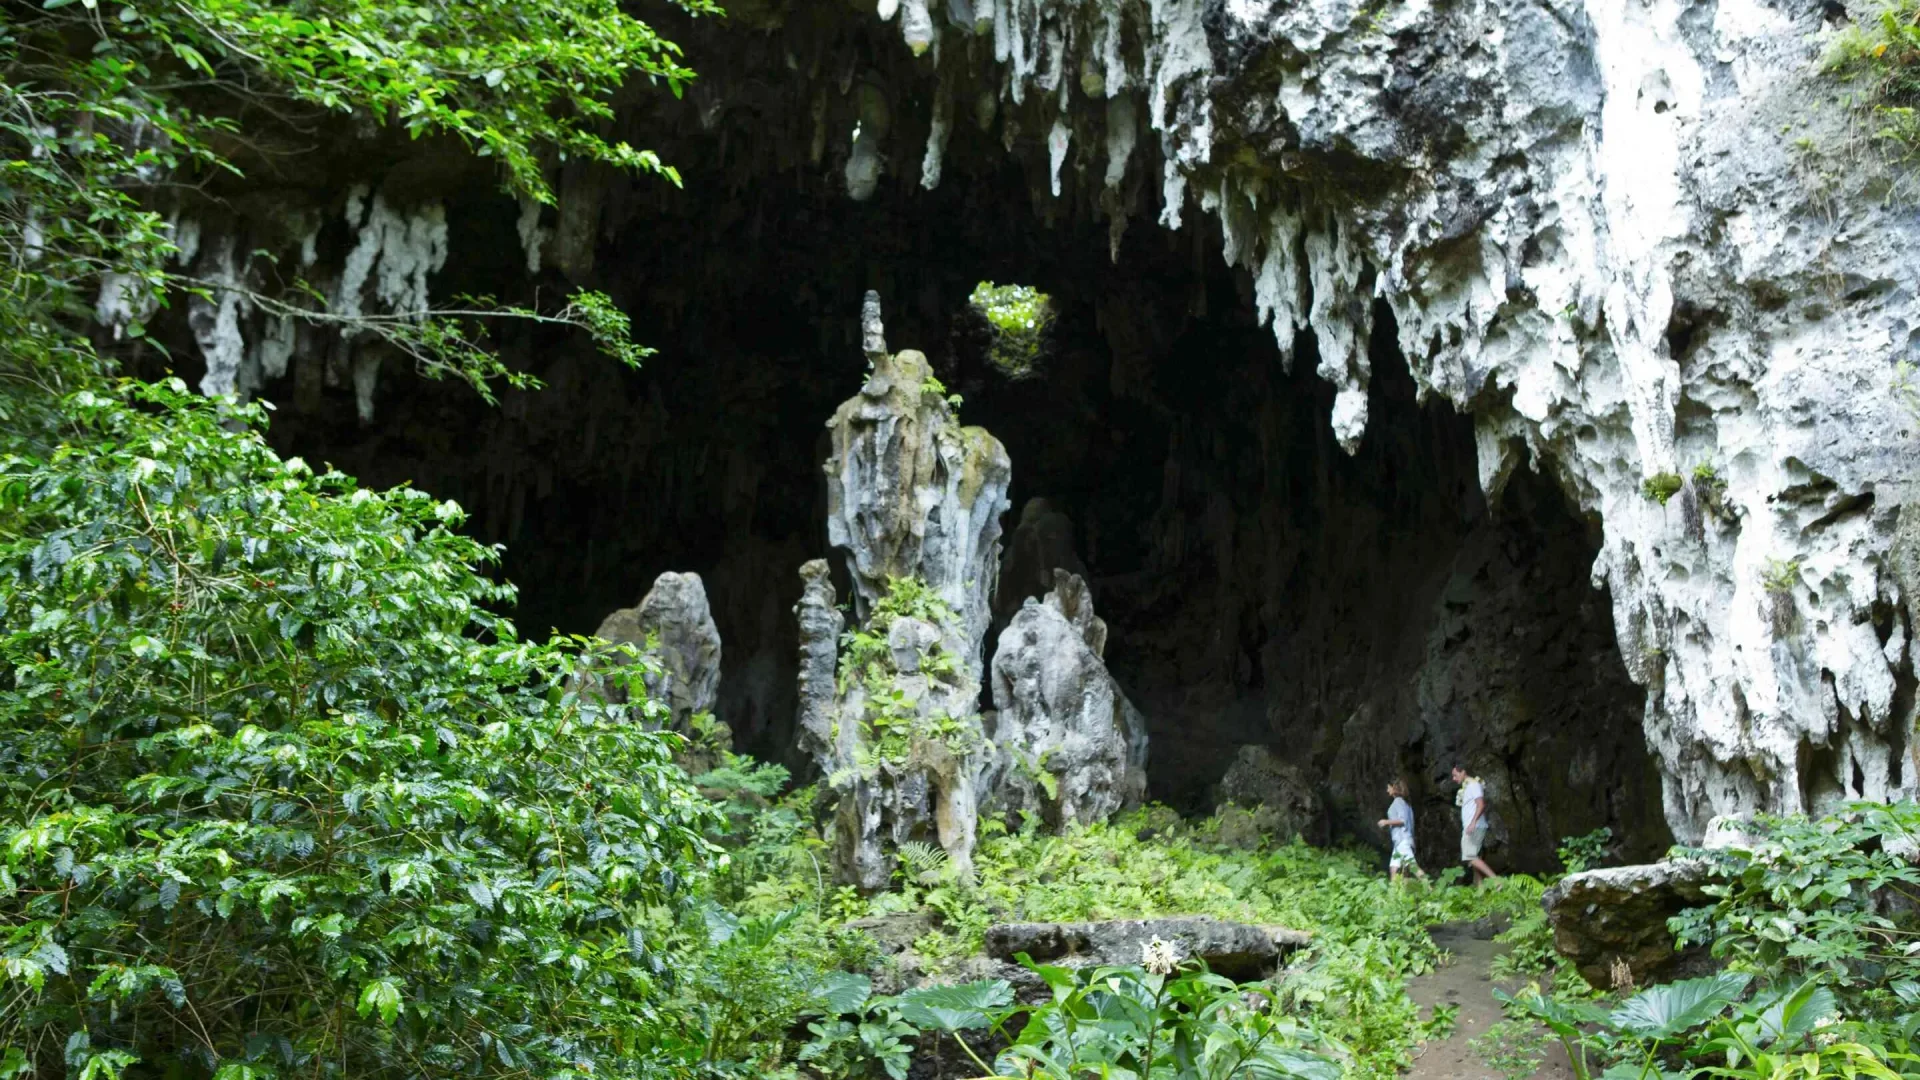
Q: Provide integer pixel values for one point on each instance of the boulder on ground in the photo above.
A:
(1236, 950)
(1260, 780)
(1618, 915)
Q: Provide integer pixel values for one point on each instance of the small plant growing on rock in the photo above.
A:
(1780, 576)
(892, 715)
(1661, 486)
(1882, 53)
(1778, 579)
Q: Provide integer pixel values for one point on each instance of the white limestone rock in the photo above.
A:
(914, 504)
(1599, 231)
(1068, 744)
(673, 627)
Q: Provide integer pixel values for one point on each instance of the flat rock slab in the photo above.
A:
(1620, 914)
(1235, 950)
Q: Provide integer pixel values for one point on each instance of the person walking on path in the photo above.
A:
(1472, 801)
(1399, 821)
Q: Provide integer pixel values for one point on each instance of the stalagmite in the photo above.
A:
(1069, 746)
(914, 502)
(673, 627)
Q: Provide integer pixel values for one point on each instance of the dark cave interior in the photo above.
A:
(1365, 615)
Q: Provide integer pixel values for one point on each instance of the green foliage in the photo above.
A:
(1529, 944)
(1881, 54)
(1780, 576)
(281, 795)
(1021, 317)
(1684, 1028)
(1512, 1048)
(1187, 1025)
(892, 717)
(1807, 901)
(1368, 936)
(101, 111)
(1661, 486)
(858, 1037)
(932, 385)
(1578, 853)
(1813, 922)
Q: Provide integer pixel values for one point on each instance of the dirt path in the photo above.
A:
(1467, 982)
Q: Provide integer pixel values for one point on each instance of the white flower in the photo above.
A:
(1160, 957)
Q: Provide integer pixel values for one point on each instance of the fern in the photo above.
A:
(921, 862)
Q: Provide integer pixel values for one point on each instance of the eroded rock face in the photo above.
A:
(685, 645)
(913, 494)
(1618, 916)
(1593, 235)
(1068, 744)
(893, 719)
(1236, 950)
(1260, 778)
(1578, 222)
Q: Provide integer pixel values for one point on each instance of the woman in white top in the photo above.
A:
(1399, 820)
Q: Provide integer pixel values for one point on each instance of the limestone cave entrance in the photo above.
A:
(1364, 615)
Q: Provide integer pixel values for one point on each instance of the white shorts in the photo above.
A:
(1470, 842)
(1402, 858)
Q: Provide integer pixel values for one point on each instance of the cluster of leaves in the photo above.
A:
(1882, 52)
(1661, 486)
(1578, 853)
(1183, 1024)
(1021, 317)
(892, 717)
(1829, 898)
(1704, 1028)
(105, 108)
(1368, 936)
(283, 798)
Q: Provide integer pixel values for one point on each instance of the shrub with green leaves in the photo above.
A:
(1881, 52)
(1831, 898)
(108, 112)
(1707, 1027)
(282, 798)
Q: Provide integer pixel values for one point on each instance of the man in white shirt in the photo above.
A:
(1472, 801)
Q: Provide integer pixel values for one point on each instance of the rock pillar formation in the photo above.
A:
(1069, 744)
(685, 644)
(914, 506)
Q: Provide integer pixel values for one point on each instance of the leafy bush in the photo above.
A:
(1882, 52)
(283, 797)
(1579, 853)
(1684, 1028)
(99, 113)
(1661, 486)
(1831, 898)
(1159, 1020)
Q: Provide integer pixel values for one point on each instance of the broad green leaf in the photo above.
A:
(955, 1008)
(382, 996)
(842, 992)
(1661, 1012)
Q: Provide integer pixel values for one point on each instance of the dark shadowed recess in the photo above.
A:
(1364, 616)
